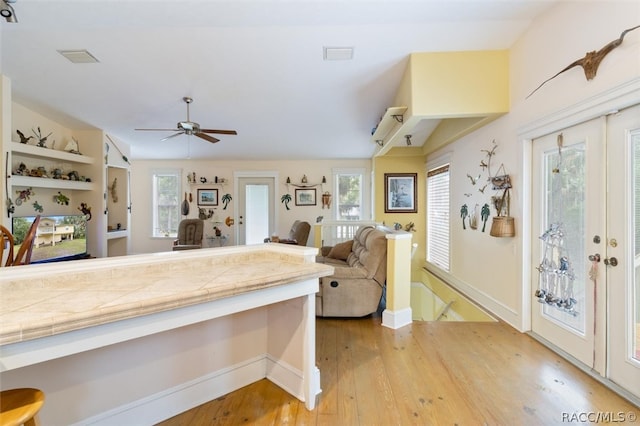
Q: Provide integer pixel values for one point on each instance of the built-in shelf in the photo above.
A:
(392, 118)
(112, 235)
(38, 182)
(50, 154)
(304, 185)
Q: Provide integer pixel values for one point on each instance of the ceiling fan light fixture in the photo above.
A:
(7, 11)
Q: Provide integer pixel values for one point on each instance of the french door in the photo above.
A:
(567, 181)
(586, 244)
(623, 248)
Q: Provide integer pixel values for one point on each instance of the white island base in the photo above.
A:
(145, 368)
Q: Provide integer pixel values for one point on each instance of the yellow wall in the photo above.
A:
(403, 164)
(456, 84)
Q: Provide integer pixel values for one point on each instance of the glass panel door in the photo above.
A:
(568, 194)
(623, 248)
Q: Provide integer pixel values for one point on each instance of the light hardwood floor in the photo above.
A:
(427, 373)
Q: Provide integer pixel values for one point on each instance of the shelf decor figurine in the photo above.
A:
(23, 138)
(42, 141)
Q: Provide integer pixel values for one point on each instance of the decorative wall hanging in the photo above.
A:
(24, 195)
(326, 200)
(503, 225)
(473, 218)
(112, 190)
(400, 193)
(484, 214)
(207, 197)
(556, 278)
(10, 207)
(306, 197)
(37, 207)
(86, 210)
(226, 199)
(205, 214)
(464, 212)
(61, 199)
(591, 61)
(286, 199)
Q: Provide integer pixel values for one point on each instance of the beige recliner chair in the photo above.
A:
(298, 235)
(190, 233)
(359, 278)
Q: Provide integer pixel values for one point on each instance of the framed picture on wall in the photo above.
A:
(306, 197)
(400, 193)
(207, 197)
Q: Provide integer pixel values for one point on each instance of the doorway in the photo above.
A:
(585, 233)
(255, 215)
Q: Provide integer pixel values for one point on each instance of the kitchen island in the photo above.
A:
(138, 339)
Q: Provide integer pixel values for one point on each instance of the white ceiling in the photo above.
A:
(253, 66)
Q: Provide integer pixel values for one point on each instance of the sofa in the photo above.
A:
(357, 284)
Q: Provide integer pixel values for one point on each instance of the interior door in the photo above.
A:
(567, 226)
(256, 209)
(622, 253)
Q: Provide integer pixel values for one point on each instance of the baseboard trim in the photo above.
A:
(168, 403)
(397, 319)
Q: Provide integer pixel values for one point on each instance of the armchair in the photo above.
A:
(360, 273)
(298, 234)
(190, 233)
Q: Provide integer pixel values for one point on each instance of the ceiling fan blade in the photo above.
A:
(206, 137)
(172, 136)
(221, 132)
(161, 130)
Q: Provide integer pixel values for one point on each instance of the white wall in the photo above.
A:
(490, 269)
(141, 171)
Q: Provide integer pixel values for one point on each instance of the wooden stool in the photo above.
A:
(20, 406)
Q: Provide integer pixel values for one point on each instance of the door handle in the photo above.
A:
(612, 261)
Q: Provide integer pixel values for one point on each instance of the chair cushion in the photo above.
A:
(341, 250)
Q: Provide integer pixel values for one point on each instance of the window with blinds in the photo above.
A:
(438, 216)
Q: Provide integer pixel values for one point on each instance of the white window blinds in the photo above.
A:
(438, 216)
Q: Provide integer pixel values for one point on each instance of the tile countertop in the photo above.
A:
(44, 300)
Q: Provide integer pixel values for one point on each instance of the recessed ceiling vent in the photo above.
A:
(79, 56)
(338, 53)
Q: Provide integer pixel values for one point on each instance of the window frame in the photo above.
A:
(155, 229)
(365, 198)
(431, 166)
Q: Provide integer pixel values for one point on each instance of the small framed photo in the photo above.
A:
(306, 197)
(400, 193)
(207, 197)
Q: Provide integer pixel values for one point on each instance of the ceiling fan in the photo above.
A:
(189, 127)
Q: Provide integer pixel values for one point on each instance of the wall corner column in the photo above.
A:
(398, 310)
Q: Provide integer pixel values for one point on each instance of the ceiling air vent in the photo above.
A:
(79, 56)
(338, 53)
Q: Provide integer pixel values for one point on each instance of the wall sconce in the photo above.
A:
(408, 138)
(7, 12)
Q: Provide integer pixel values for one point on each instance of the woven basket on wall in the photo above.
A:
(503, 226)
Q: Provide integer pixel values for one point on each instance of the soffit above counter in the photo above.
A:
(444, 96)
